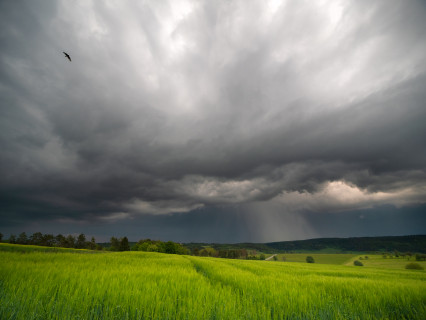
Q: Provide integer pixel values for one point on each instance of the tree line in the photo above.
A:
(122, 244)
(79, 242)
(50, 240)
(149, 245)
(227, 253)
(414, 243)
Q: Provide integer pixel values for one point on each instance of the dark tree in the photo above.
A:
(1, 237)
(81, 241)
(169, 247)
(420, 257)
(209, 252)
(61, 241)
(124, 244)
(358, 263)
(22, 238)
(115, 244)
(12, 238)
(70, 243)
(310, 259)
(223, 253)
(92, 244)
(48, 240)
(36, 239)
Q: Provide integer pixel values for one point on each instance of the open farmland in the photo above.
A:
(139, 285)
(322, 258)
(377, 261)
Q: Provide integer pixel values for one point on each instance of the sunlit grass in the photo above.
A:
(377, 261)
(139, 285)
(322, 258)
(30, 248)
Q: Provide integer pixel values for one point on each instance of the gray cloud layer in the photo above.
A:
(173, 106)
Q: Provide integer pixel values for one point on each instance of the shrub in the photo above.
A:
(358, 263)
(414, 266)
(421, 257)
(310, 259)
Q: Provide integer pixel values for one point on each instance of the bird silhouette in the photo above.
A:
(67, 55)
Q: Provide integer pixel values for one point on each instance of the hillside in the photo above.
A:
(414, 243)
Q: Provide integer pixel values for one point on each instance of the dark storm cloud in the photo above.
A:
(168, 107)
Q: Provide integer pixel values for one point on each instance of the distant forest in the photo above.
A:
(407, 244)
(415, 243)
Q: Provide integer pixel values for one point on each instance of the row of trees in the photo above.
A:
(227, 253)
(363, 244)
(121, 244)
(49, 240)
(149, 245)
(420, 257)
(407, 255)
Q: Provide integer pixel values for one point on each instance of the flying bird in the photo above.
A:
(67, 55)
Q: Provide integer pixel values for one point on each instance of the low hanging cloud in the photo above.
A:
(341, 196)
(169, 107)
(159, 207)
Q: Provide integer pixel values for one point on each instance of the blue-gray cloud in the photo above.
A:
(169, 107)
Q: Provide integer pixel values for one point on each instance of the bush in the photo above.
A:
(310, 259)
(420, 257)
(414, 266)
(358, 263)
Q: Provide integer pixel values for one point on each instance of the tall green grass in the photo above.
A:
(32, 248)
(139, 285)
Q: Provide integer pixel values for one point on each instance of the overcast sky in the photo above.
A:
(223, 121)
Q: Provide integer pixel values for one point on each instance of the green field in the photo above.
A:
(140, 285)
(29, 248)
(377, 261)
(322, 258)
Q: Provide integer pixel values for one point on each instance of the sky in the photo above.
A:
(213, 121)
